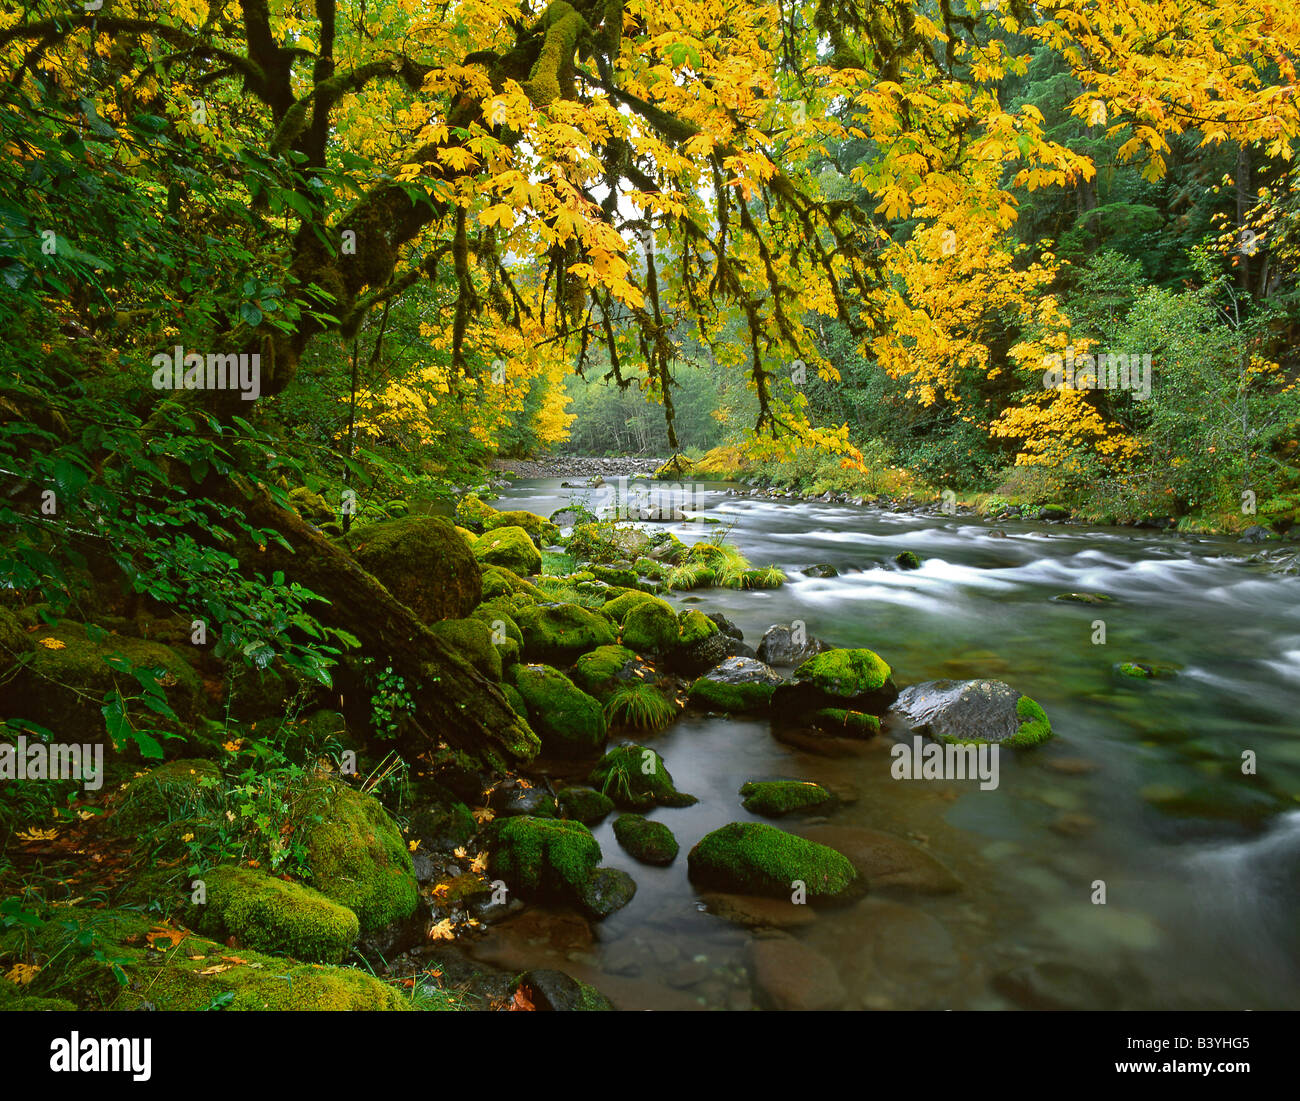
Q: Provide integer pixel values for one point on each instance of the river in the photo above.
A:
(1141, 793)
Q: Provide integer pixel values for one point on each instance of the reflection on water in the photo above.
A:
(1140, 794)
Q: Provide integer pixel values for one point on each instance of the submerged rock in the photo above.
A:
(886, 861)
(607, 890)
(555, 991)
(972, 711)
(789, 975)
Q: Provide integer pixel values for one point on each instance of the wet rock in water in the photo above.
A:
(584, 804)
(755, 912)
(843, 723)
(512, 798)
(701, 644)
(755, 858)
(726, 626)
(647, 841)
(557, 992)
(1256, 534)
(1053, 512)
(1146, 670)
(774, 798)
(821, 570)
(636, 778)
(736, 685)
(907, 947)
(543, 857)
(607, 890)
(907, 560)
(1056, 985)
(567, 720)
(782, 646)
(886, 861)
(789, 975)
(972, 711)
(848, 679)
(1084, 598)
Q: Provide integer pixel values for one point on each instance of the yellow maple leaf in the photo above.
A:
(442, 931)
(22, 973)
(479, 863)
(413, 845)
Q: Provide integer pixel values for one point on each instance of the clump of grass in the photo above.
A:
(639, 706)
(769, 577)
(564, 590)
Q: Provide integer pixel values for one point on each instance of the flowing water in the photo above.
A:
(1140, 793)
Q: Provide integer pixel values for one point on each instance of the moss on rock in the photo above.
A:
(569, 722)
(540, 530)
(543, 857)
(501, 582)
(599, 673)
(845, 723)
(509, 547)
(647, 841)
(585, 805)
(473, 640)
(1035, 727)
(773, 798)
(755, 858)
(188, 788)
(423, 563)
(275, 916)
(560, 632)
(637, 778)
(651, 627)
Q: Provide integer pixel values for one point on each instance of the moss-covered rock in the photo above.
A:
(585, 805)
(475, 641)
(569, 722)
(509, 547)
(607, 890)
(83, 965)
(622, 576)
(312, 507)
(774, 798)
(357, 856)
(500, 582)
(618, 607)
(606, 669)
(545, 858)
(851, 679)
(275, 916)
(1035, 727)
(907, 560)
(14, 999)
(473, 513)
(607, 542)
(971, 712)
(64, 682)
(540, 530)
(651, 627)
(423, 563)
(637, 778)
(736, 685)
(13, 639)
(470, 537)
(188, 788)
(755, 858)
(840, 722)
(558, 633)
(647, 841)
(700, 644)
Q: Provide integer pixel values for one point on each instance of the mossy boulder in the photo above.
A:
(470, 537)
(503, 632)
(64, 682)
(971, 712)
(607, 542)
(509, 547)
(543, 858)
(736, 685)
(584, 804)
(567, 720)
(618, 608)
(15, 999)
(540, 530)
(907, 560)
(606, 669)
(473, 513)
(758, 859)
(843, 723)
(647, 841)
(13, 639)
(560, 632)
(636, 778)
(475, 641)
(187, 788)
(356, 854)
(700, 644)
(774, 798)
(651, 628)
(194, 975)
(423, 563)
(312, 507)
(272, 915)
(851, 679)
(500, 581)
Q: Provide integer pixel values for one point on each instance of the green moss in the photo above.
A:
(498, 581)
(14, 1000)
(569, 722)
(690, 575)
(612, 575)
(274, 916)
(423, 563)
(845, 673)
(540, 530)
(470, 537)
(509, 547)
(696, 627)
(755, 858)
(543, 857)
(774, 798)
(712, 695)
(357, 856)
(312, 507)
(13, 639)
(907, 560)
(621, 605)
(651, 627)
(472, 639)
(584, 804)
(851, 724)
(1036, 726)
(473, 513)
(63, 687)
(167, 977)
(179, 789)
(560, 632)
(596, 673)
(647, 841)
(636, 777)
